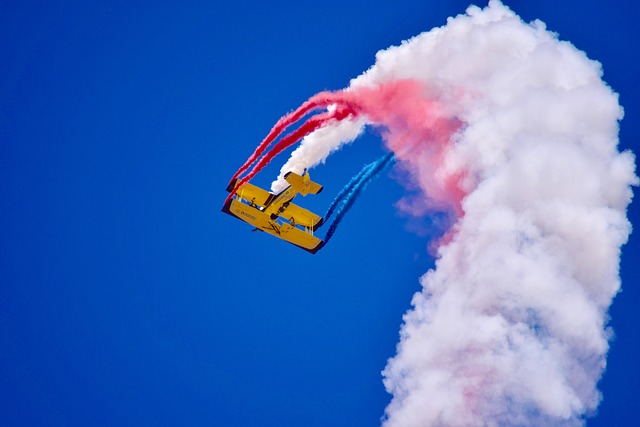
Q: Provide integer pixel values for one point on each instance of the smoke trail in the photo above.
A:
(317, 146)
(346, 190)
(371, 172)
(519, 133)
(510, 328)
(309, 126)
(415, 125)
(321, 100)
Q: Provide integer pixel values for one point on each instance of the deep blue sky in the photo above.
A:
(128, 299)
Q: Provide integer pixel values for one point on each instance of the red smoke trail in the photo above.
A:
(320, 100)
(315, 122)
(414, 127)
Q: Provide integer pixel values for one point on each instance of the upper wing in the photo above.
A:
(254, 194)
(301, 216)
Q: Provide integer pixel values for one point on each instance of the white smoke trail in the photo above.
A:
(317, 146)
(511, 326)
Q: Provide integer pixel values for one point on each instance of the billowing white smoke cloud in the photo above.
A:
(510, 328)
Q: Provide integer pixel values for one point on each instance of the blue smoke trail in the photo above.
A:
(353, 190)
(346, 190)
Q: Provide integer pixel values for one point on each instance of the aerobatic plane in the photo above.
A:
(275, 214)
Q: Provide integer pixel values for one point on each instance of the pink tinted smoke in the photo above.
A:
(416, 128)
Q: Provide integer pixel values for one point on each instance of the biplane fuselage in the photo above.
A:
(275, 214)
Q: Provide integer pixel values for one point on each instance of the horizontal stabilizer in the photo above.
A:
(303, 184)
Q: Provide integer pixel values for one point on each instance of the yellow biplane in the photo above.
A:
(275, 214)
